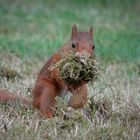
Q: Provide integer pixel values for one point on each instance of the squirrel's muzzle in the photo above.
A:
(83, 54)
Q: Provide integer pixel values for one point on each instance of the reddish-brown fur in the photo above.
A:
(5, 97)
(49, 83)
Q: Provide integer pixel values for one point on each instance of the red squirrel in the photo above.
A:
(49, 83)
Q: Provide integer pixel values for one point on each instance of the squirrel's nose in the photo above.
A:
(83, 54)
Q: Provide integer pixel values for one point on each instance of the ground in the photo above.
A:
(30, 31)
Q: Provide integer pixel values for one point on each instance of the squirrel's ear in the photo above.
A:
(74, 31)
(91, 32)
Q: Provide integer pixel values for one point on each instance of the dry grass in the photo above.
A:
(112, 112)
(74, 70)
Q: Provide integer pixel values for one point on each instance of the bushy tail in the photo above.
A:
(6, 97)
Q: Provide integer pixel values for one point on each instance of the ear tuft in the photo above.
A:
(91, 32)
(74, 31)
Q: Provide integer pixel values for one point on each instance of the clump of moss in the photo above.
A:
(8, 73)
(74, 70)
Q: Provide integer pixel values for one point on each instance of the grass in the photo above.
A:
(28, 26)
(74, 70)
(30, 31)
(112, 109)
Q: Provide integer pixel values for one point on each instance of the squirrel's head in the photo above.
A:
(82, 43)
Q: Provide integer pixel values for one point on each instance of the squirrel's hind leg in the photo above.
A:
(47, 101)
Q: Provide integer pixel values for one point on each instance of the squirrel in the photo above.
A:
(49, 83)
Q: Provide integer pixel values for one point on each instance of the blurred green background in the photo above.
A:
(37, 28)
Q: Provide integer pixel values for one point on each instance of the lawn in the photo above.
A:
(30, 31)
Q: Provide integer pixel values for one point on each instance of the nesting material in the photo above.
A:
(75, 70)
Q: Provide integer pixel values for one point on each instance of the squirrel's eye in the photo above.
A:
(93, 47)
(73, 45)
